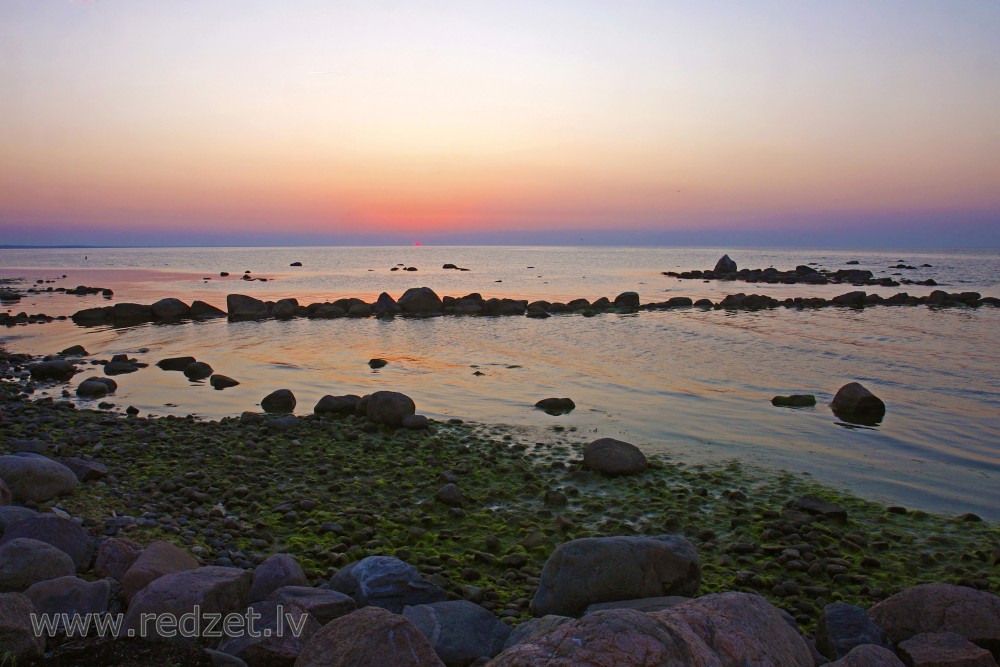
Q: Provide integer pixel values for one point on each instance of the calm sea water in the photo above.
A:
(689, 383)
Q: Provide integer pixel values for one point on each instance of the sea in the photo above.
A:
(694, 385)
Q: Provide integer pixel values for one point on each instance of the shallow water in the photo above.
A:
(694, 384)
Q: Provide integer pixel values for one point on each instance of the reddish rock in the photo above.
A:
(943, 649)
(114, 557)
(4, 493)
(369, 636)
(156, 560)
(868, 655)
(16, 634)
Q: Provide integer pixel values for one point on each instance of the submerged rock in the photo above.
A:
(794, 401)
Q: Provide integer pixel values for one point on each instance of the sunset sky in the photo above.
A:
(228, 122)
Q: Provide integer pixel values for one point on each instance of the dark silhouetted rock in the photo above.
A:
(819, 507)
(627, 300)
(378, 363)
(725, 265)
(337, 405)
(198, 370)
(170, 310)
(794, 401)
(855, 403)
(222, 381)
(59, 370)
(205, 311)
(75, 351)
(450, 495)
(389, 407)
(386, 306)
(175, 363)
(420, 300)
(295, 264)
(416, 422)
(614, 457)
(556, 406)
(241, 307)
(282, 400)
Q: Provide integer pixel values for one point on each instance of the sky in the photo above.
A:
(702, 122)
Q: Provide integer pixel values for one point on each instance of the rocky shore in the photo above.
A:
(457, 543)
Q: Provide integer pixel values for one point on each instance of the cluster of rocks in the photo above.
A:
(726, 269)
(164, 310)
(855, 299)
(403, 267)
(80, 290)
(197, 370)
(381, 408)
(853, 403)
(15, 319)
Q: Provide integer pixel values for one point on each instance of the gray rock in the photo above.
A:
(280, 640)
(11, 514)
(386, 582)
(416, 422)
(276, 572)
(24, 562)
(640, 604)
(450, 495)
(114, 556)
(155, 561)
(459, 631)
(63, 534)
(17, 635)
(943, 649)
(323, 604)
(590, 570)
(5, 497)
(534, 627)
(389, 407)
(85, 471)
(70, 595)
(36, 479)
(868, 655)
(842, 627)
(368, 636)
(282, 400)
(614, 457)
(59, 370)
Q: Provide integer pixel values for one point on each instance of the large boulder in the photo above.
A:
(943, 649)
(59, 370)
(585, 571)
(534, 627)
(96, 387)
(131, 313)
(941, 608)
(725, 265)
(18, 638)
(337, 405)
(322, 604)
(280, 401)
(389, 407)
(277, 571)
(214, 590)
(11, 514)
(24, 562)
(628, 300)
(170, 310)
(387, 582)
(64, 534)
(175, 363)
(842, 627)
(205, 311)
(386, 306)
(280, 633)
(155, 561)
(460, 632)
(70, 595)
(243, 307)
(868, 655)
(35, 478)
(614, 457)
(198, 370)
(420, 300)
(369, 636)
(219, 381)
(284, 309)
(853, 402)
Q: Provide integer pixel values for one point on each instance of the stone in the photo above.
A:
(416, 422)
(243, 307)
(94, 388)
(853, 402)
(120, 367)
(941, 608)
(459, 631)
(337, 405)
(219, 381)
(590, 570)
(614, 457)
(5, 496)
(324, 605)
(377, 363)
(943, 649)
(284, 309)
(64, 534)
(794, 401)
(276, 572)
(819, 507)
(205, 311)
(450, 495)
(271, 646)
(214, 590)
(725, 265)
(389, 407)
(628, 300)
(75, 351)
(534, 627)
(114, 556)
(170, 310)
(842, 627)
(279, 401)
(198, 370)
(387, 582)
(640, 604)
(70, 595)
(11, 514)
(18, 639)
(59, 370)
(36, 479)
(868, 655)
(420, 300)
(24, 562)
(369, 636)
(175, 363)
(386, 306)
(556, 406)
(85, 471)
(131, 313)
(156, 560)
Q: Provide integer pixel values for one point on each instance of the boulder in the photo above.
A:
(322, 604)
(70, 595)
(556, 406)
(242, 307)
(280, 633)
(11, 514)
(114, 556)
(284, 309)
(640, 604)
(59, 370)
(175, 363)
(36, 479)
(131, 313)
(628, 300)
(868, 655)
(120, 367)
(386, 306)
(24, 562)
(155, 561)
(337, 405)
(534, 627)
(725, 265)
(854, 402)
(941, 608)
(17, 635)
(943, 649)
(205, 311)
(219, 381)
(5, 496)
(85, 471)
(377, 363)
(420, 300)
(794, 401)
(389, 407)
(93, 391)
(276, 572)
(369, 636)
(842, 627)
(198, 370)
(450, 495)
(214, 590)
(280, 401)
(89, 317)
(818, 507)
(416, 423)
(75, 351)
(459, 631)
(589, 570)
(170, 310)
(386, 582)
(64, 534)
(614, 457)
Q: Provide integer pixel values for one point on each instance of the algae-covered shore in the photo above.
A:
(331, 491)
